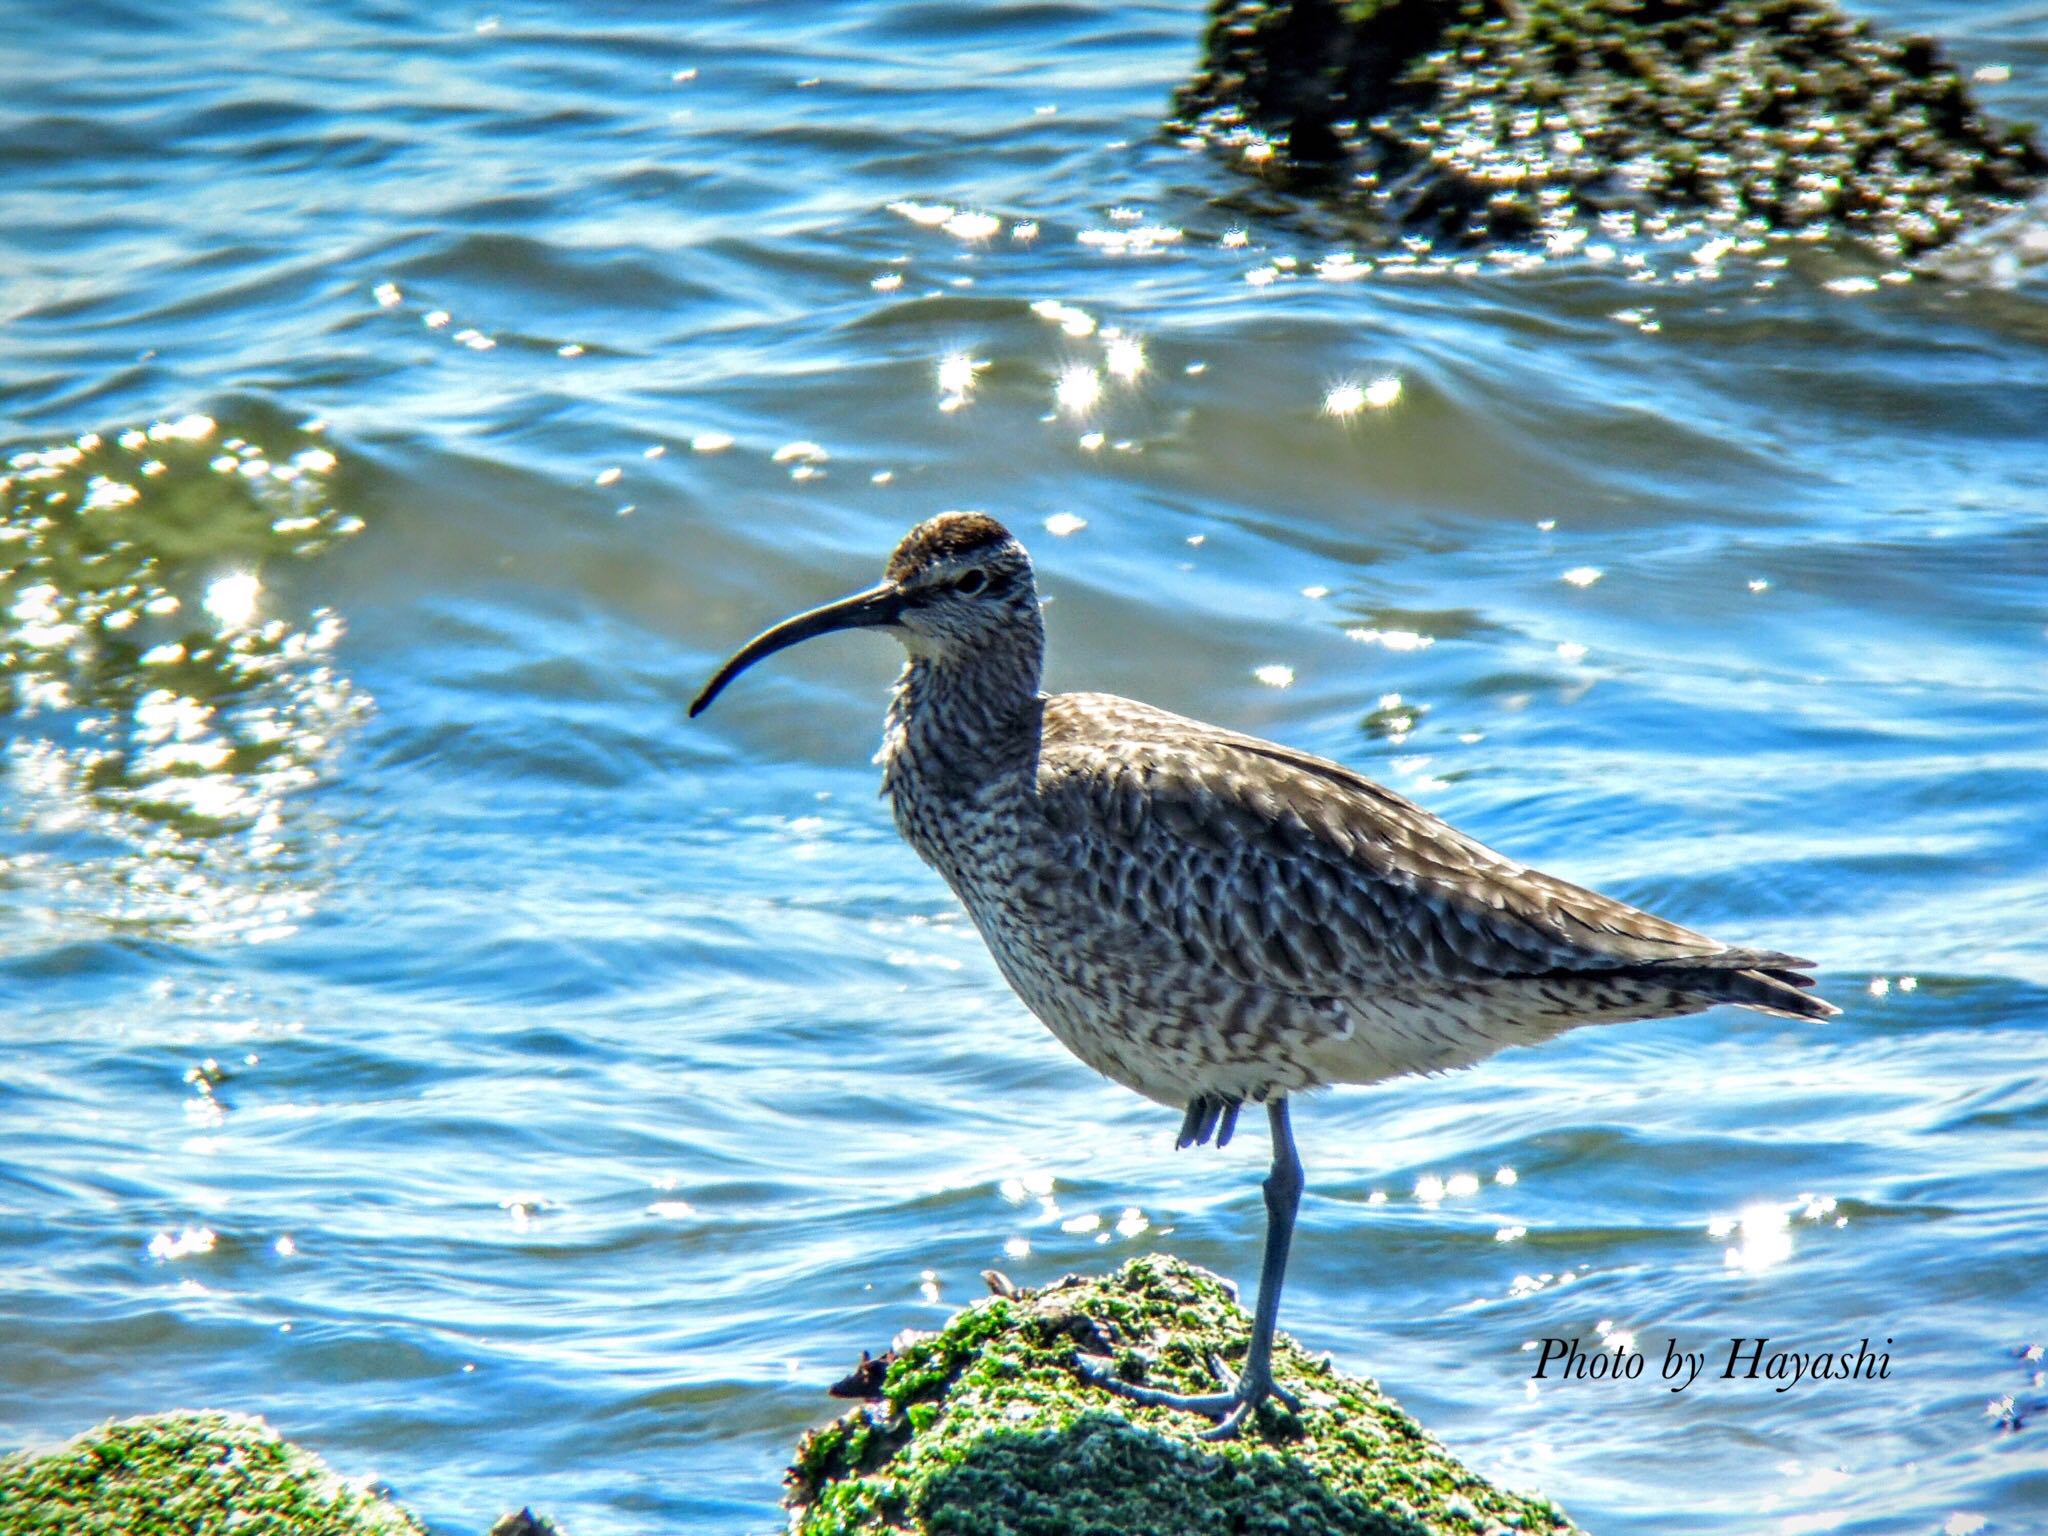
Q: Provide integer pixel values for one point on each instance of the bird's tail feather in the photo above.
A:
(1770, 988)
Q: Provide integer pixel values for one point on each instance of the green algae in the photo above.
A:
(1503, 120)
(187, 1474)
(986, 1427)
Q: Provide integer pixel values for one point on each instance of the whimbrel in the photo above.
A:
(1214, 920)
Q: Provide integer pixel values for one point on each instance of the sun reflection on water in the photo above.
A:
(1078, 389)
(1762, 1232)
(164, 716)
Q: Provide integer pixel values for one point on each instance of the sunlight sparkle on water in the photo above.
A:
(1125, 357)
(1078, 389)
(1074, 321)
(1392, 639)
(1142, 241)
(187, 429)
(957, 372)
(192, 1240)
(1035, 1184)
(1763, 1237)
(232, 599)
(1060, 524)
(1350, 397)
(928, 214)
(973, 226)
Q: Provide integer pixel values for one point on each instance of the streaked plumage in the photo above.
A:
(1212, 919)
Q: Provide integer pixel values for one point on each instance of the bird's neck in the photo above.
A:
(958, 724)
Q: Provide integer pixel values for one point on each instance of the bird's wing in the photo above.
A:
(1295, 873)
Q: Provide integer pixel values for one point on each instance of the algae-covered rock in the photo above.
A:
(187, 1474)
(1476, 120)
(986, 1427)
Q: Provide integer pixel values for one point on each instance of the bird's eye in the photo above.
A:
(972, 582)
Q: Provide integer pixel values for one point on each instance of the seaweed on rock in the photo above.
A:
(985, 1427)
(1487, 120)
(187, 1474)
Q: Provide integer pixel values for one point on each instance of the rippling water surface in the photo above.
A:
(418, 1033)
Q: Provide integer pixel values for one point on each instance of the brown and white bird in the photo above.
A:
(1214, 920)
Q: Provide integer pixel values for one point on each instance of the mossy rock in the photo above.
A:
(986, 1428)
(187, 1474)
(1506, 120)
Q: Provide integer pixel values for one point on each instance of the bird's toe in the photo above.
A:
(1232, 1423)
(1238, 1401)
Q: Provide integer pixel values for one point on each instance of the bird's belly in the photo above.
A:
(1130, 1006)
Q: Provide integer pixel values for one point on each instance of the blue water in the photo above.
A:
(417, 1032)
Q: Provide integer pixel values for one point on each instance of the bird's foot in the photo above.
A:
(1209, 1113)
(1231, 1407)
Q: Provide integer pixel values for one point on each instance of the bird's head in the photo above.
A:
(958, 585)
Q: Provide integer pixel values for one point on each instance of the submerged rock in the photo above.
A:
(986, 1427)
(1481, 120)
(188, 1474)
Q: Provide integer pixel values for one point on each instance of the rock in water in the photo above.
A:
(1488, 120)
(986, 1427)
(188, 1474)
(524, 1522)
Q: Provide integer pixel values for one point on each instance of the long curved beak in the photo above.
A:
(864, 610)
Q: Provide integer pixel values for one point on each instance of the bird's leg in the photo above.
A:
(1283, 1200)
(1243, 1391)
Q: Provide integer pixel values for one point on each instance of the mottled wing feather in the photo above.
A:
(1295, 873)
